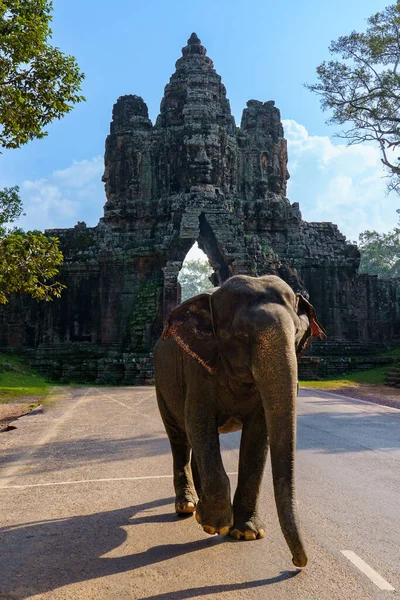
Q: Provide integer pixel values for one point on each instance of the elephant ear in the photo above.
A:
(191, 325)
(303, 306)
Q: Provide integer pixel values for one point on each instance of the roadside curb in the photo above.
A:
(38, 410)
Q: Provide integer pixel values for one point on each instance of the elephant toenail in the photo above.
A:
(260, 534)
(224, 531)
(236, 534)
(185, 507)
(209, 529)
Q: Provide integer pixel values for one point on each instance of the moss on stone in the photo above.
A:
(144, 311)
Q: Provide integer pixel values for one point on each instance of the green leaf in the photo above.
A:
(28, 263)
(38, 83)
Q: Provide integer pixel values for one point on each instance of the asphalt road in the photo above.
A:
(86, 507)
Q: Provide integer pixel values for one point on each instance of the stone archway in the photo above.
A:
(208, 243)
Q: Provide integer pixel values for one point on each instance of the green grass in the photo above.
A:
(19, 381)
(354, 379)
(372, 376)
(395, 352)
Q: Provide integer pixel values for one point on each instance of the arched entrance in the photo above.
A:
(195, 275)
(207, 242)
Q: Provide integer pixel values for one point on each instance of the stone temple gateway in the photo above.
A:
(193, 175)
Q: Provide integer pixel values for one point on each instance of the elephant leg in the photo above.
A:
(253, 454)
(185, 495)
(196, 476)
(214, 509)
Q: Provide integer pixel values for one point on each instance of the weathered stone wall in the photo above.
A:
(193, 175)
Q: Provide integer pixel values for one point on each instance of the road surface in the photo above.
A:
(86, 507)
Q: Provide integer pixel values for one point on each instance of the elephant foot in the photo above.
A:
(214, 521)
(185, 504)
(185, 508)
(247, 528)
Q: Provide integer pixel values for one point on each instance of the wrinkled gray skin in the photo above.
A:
(227, 361)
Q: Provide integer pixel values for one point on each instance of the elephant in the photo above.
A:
(227, 360)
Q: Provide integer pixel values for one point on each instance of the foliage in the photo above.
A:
(18, 380)
(38, 83)
(28, 261)
(194, 278)
(363, 89)
(380, 252)
(10, 207)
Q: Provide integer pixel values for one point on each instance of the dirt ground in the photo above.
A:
(13, 410)
(379, 394)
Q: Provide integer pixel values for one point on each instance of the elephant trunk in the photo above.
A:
(283, 472)
(275, 374)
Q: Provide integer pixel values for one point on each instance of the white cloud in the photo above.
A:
(73, 194)
(322, 147)
(80, 172)
(338, 183)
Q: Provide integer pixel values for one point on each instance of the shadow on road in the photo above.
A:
(72, 453)
(209, 590)
(333, 432)
(42, 556)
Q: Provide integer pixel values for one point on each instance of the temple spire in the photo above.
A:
(194, 39)
(194, 46)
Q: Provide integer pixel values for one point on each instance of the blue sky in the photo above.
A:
(263, 50)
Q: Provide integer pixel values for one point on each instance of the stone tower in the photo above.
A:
(193, 175)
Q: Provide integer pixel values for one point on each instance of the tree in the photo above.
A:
(28, 260)
(363, 89)
(38, 84)
(194, 278)
(10, 207)
(380, 252)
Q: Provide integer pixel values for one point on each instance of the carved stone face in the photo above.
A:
(200, 165)
(205, 159)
